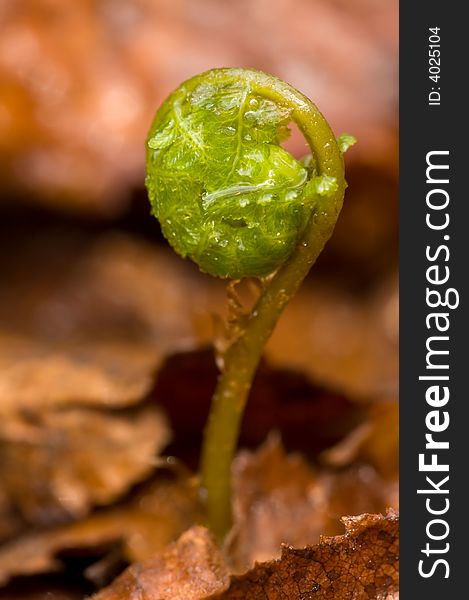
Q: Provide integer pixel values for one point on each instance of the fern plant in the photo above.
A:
(232, 199)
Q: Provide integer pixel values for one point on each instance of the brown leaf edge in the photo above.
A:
(362, 564)
(188, 569)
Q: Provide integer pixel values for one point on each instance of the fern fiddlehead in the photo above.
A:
(229, 197)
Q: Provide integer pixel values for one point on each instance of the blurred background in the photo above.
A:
(80, 83)
(100, 324)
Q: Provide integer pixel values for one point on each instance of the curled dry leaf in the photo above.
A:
(361, 564)
(190, 569)
(148, 521)
(279, 498)
(84, 327)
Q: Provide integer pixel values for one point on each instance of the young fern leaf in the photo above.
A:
(229, 197)
(226, 193)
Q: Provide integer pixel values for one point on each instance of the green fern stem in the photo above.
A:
(243, 356)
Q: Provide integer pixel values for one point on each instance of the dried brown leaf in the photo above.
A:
(145, 524)
(347, 342)
(279, 498)
(63, 462)
(38, 375)
(362, 564)
(189, 569)
(84, 326)
(94, 325)
(375, 441)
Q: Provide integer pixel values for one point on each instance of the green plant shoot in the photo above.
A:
(231, 198)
